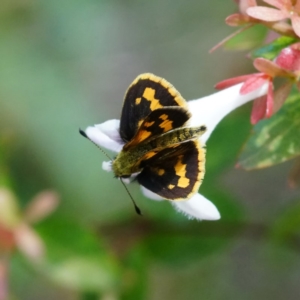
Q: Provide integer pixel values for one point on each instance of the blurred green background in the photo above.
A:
(67, 64)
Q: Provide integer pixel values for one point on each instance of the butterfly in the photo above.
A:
(159, 148)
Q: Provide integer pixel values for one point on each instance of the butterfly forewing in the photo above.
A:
(158, 122)
(146, 94)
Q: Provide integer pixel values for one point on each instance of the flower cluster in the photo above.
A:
(284, 65)
(251, 14)
(285, 10)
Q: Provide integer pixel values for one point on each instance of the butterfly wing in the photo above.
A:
(174, 173)
(146, 94)
(159, 121)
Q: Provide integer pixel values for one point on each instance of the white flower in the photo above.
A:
(208, 111)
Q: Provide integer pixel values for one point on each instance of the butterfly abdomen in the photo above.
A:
(177, 136)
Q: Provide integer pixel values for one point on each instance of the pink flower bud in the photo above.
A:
(289, 59)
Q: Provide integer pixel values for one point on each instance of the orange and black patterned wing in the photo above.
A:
(146, 94)
(174, 173)
(158, 122)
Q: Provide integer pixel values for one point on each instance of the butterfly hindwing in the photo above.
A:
(146, 94)
(158, 122)
(174, 173)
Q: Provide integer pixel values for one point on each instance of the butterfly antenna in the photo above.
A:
(84, 135)
(138, 211)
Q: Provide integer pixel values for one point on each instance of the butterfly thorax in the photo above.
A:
(132, 158)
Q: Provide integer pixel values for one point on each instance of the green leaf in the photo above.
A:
(180, 250)
(29, 284)
(247, 39)
(229, 206)
(90, 296)
(287, 226)
(135, 276)
(5, 153)
(75, 257)
(179, 245)
(270, 51)
(186, 241)
(217, 145)
(274, 140)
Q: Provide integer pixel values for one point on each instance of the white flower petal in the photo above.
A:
(198, 207)
(102, 139)
(106, 166)
(210, 110)
(126, 180)
(150, 194)
(112, 129)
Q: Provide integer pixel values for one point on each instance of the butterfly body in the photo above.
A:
(132, 159)
(159, 145)
(160, 148)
